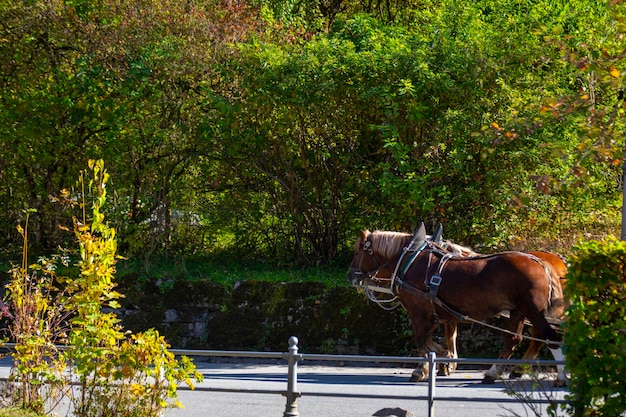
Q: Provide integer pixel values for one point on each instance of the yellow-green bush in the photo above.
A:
(119, 374)
(595, 337)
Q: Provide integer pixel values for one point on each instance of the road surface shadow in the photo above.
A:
(395, 376)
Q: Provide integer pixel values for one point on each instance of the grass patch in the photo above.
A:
(227, 271)
(223, 269)
(18, 412)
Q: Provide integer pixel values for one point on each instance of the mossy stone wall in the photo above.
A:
(261, 316)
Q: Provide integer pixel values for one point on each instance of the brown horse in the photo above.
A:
(436, 287)
(558, 269)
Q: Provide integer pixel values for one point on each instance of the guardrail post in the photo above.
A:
(432, 382)
(292, 394)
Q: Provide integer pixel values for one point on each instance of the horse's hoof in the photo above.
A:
(515, 374)
(418, 377)
(443, 371)
(489, 379)
(559, 383)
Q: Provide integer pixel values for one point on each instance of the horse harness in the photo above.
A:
(432, 284)
(408, 257)
(371, 282)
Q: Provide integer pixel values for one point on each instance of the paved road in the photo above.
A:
(329, 391)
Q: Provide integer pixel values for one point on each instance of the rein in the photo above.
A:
(523, 336)
(410, 288)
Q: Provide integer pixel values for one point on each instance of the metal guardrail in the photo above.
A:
(293, 357)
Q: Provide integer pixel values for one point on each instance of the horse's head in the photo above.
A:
(363, 259)
(375, 254)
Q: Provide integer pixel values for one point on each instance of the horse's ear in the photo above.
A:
(421, 233)
(438, 236)
(364, 235)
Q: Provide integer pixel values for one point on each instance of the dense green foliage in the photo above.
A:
(277, 129)
(596, 332)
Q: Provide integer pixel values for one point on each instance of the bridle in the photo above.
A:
(372, 284)
(367, 250)
(370, 281)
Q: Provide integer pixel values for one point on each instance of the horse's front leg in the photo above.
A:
(450, 334)
(441, 352)
(422, 330)
(424, 345)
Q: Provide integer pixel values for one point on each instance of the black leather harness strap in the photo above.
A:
(413, 290)
(435, 281)
(432, 289)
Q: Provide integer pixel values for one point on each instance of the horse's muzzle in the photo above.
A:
(356, 277)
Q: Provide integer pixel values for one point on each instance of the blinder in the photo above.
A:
(357, 274)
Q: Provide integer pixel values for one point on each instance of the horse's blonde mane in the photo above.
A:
(458, 249)
(389, 244)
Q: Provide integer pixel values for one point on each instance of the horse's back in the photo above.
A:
(499, 266)
(483, 286)
(555, 261)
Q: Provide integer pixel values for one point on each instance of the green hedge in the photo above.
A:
(595, 337)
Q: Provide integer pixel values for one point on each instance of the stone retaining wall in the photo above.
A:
(262, 316)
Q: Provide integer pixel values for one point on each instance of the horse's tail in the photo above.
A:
(555, 304)
(556, 301)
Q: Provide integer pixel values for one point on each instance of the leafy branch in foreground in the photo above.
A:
(118, 373)
(38, 319)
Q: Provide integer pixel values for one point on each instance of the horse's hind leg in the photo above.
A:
(531, 353)
(561, 378)
(511, 341)
(543, 331)
(546, 332)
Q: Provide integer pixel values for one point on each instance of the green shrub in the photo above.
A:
(595, 337)
(119, 374)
